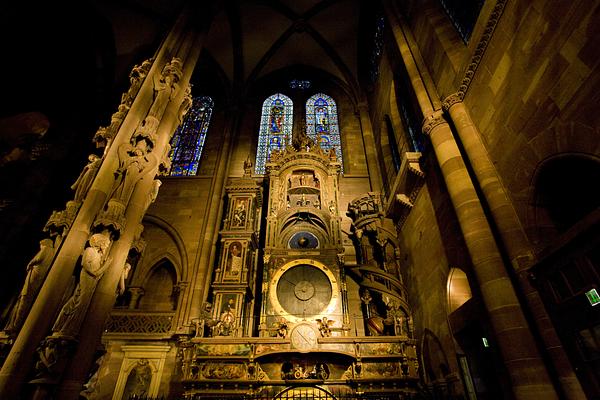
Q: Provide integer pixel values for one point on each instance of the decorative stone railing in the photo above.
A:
(137, 322)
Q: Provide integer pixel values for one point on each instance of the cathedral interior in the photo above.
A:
(279, 199)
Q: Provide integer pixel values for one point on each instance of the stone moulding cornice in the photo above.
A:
(484, 40)
(450, 101)
(431, 121)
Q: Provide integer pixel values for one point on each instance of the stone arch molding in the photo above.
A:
(433, 357)
(176, 255)
(539, 224)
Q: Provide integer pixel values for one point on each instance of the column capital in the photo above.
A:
(451, 100)
(431, 121)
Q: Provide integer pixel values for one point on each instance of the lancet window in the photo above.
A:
(275, 128)
(322, 123)
(188, 140)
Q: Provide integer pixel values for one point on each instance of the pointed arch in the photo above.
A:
(458, 288)
(275, 128)
(322, 121)
(159, 286)
(188, 140)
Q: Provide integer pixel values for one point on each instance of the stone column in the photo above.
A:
(420, 81)
(370, 147)
(526, 369)
(86, 207)
(513, 236)
(207, 249)
(136, 294)
(170, 109)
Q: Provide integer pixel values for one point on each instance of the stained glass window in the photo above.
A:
(322, 121)
(377, 49)
(300, 84)
(275, 128)
(188, 140)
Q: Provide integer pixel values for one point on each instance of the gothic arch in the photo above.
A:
(304, 392)
(291, 229)
(179, 258)
(458, 289)
(313, 221)
(562, 193)
(160, 285)
(433, 358)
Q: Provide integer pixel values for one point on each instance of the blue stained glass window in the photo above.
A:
(377, 50)
(275, 128)
(188, 140)
(322, 120)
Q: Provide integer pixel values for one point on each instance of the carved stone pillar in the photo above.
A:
(526, 369)
(185, 43)
(169, 94)
(513, 236)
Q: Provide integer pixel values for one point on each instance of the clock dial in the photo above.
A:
(304, 337)
(304, 291)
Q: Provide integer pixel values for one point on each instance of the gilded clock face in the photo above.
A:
(303, 337)
(304, 290)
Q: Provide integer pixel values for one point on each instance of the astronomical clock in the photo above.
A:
(302, 275)
(278, 319)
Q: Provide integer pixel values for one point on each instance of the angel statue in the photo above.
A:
(325, 326)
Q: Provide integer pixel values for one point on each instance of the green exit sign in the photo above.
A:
(593, 296)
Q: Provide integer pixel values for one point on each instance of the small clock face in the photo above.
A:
(304, 337)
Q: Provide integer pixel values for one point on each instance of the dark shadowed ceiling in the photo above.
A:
(250, 39)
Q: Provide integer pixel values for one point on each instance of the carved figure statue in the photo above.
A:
(226, 325)
(52, 354)
(235, 262)
(133, 161)
(124, 275)
(367, 300)
(331, 207)
(93, 266)
(239, 214)
(332, 154)
(85, 179)
(393, 318)
(36, 273)
(325, 326)
(205, 322)
(281, 326)
(153, 192)
(302, 180)
(248, 166)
